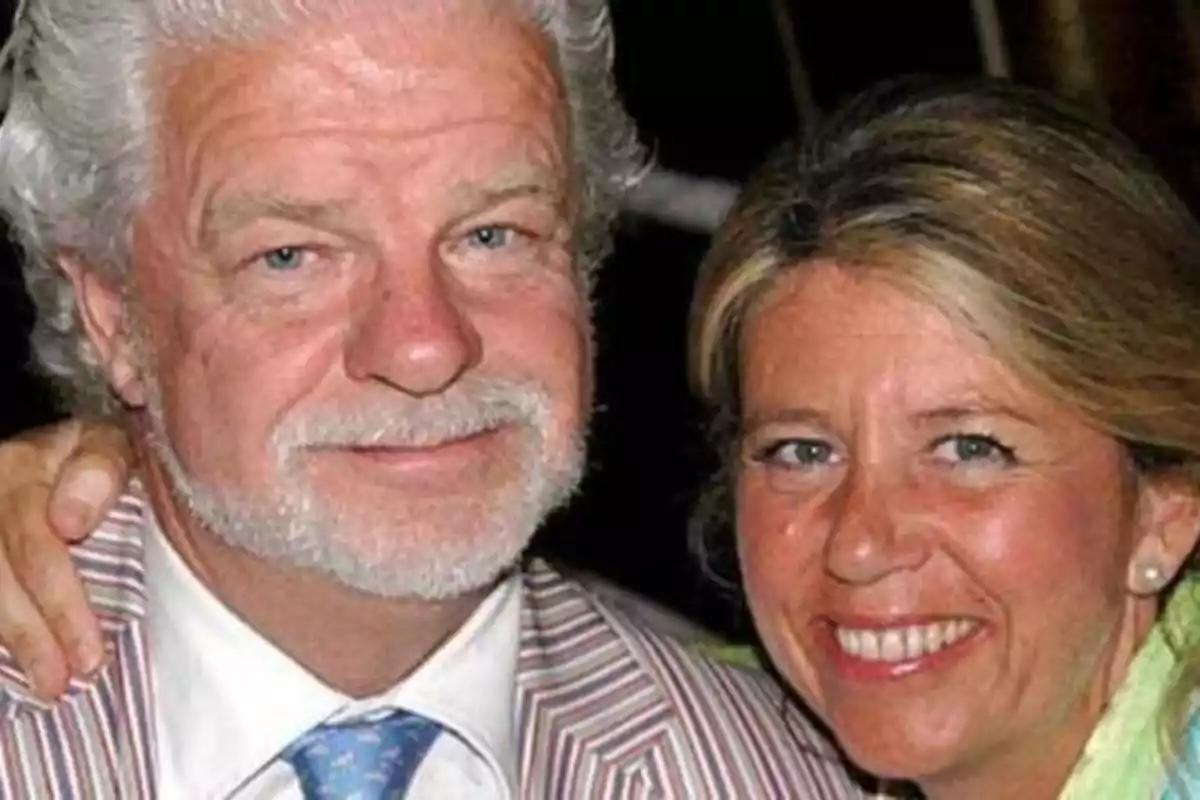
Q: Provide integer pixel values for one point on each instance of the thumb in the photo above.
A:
(90, 480)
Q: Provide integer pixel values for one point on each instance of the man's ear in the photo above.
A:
(1168, 527)
(102, 309)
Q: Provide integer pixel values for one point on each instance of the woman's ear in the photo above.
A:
(1168, 526)
(102, 309)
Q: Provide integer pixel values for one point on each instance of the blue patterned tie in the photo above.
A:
(362, 760)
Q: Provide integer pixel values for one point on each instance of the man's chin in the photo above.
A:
(426, 562)
(419, 550)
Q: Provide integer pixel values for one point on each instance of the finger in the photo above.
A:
(43, 568)
(29, 639)
(90, 480)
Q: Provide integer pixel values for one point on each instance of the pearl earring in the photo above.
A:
(1154, 576)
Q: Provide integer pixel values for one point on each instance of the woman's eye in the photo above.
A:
(491, 237)
(797, 453)
(974, 449)
(284, 259)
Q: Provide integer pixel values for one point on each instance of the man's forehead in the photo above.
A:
(485, 124)
(373, 55)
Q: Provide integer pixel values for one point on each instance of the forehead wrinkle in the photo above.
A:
(341, 70)
(341, 66)
(366, 62)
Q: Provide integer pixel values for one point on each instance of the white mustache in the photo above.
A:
(468, 408)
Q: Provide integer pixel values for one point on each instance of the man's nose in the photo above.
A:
(413, 334)
(877, 530)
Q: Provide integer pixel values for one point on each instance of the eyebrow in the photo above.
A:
(804, 415)
(795, 415)
(472, 197)
(469, 198)
(981, 409)
(240, 210)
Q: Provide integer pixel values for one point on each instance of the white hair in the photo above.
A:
(75, 145)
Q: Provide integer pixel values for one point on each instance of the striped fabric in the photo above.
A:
(611, 710)
(606, 709)
(95, 743)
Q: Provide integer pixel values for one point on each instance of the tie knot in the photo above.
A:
(365, 760)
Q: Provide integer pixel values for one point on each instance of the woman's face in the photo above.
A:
(937, 558)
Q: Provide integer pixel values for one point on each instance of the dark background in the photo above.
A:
(708, 82)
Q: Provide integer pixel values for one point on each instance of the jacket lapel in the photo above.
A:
(592, 722)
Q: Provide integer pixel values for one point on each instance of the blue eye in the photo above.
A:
(797, 453)
(284, 259)
(491, 237)
(974, 449)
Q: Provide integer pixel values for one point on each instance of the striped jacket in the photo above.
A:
(606, 708)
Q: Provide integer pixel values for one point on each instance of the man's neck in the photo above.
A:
(357, 643)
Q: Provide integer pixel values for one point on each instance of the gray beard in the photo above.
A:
(431, 548)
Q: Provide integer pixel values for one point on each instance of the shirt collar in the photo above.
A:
(228, 701)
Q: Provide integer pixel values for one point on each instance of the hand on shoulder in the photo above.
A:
(56, 485)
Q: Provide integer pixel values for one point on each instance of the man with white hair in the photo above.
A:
(327, 262)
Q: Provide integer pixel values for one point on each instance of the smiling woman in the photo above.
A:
(952, 345)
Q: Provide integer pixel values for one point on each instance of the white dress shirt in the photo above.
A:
(228, 702)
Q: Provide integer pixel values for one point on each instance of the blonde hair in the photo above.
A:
(1032, 225)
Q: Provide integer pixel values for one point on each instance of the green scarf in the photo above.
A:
(1122, 758)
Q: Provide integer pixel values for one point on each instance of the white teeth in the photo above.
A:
(901, 644)
(937, 638)
(868, 647)
(893, 646)
(913, 643)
